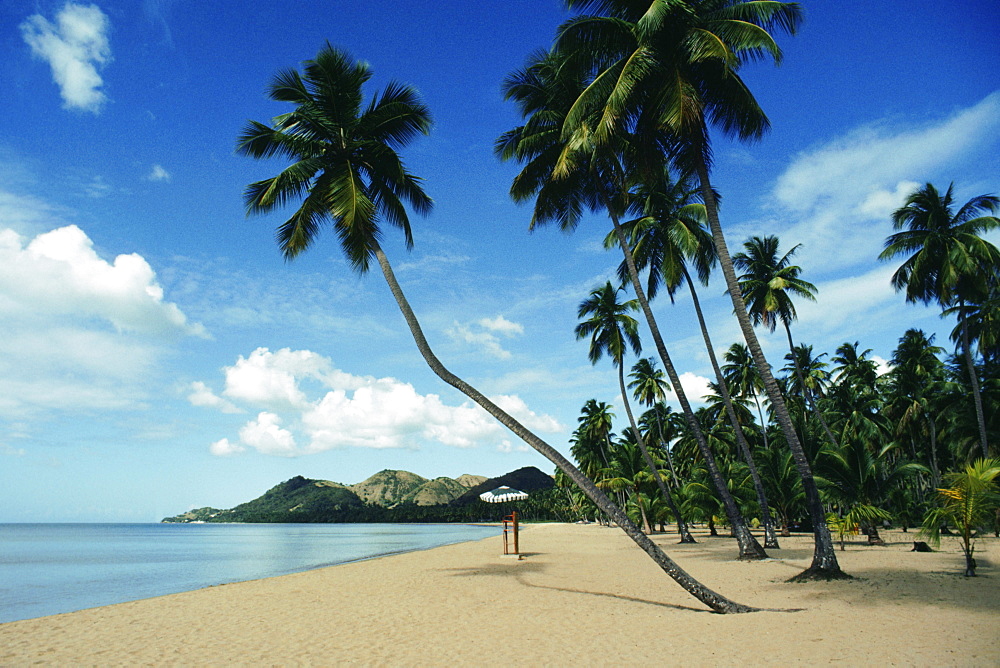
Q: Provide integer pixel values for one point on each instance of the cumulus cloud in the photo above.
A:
(85, 332)
(202, 396)
(306, 400)
(485, 334)
(60, 273)
(76, 47)
(158, 173)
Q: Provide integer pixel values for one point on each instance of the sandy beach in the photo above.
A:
(583, 594)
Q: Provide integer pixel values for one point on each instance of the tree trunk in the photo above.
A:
(935, 471)
(974, 380)
(750, 549)
(713, 600)
(667, 496)
(770, 538)
(824, 564)
(675, 479)
(806, 394)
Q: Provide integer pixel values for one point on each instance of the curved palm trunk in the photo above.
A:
(681, 524)
(750, 549)
(713, 600)
(974, 379)
(824, 563)
(806, 394)
(770, 537)
(935, 471)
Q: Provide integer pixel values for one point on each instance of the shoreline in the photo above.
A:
(583, 594)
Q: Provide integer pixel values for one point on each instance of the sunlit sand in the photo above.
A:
(582, 595)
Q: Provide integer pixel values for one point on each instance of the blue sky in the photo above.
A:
(157, 354)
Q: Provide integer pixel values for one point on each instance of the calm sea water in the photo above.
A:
(46, 569)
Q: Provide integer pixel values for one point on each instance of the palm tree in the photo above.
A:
(669, 236)
(948, 261)
(917, 375)
(854, 367)
(612, 331)
(649, 387)
(968, 503)
(568, 177)
(742, 376)
(768, 283)
(673, 67)
(346, 170)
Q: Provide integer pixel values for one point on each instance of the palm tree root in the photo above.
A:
(817, 573)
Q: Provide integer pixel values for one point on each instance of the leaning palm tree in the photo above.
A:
(948, 261)
(566, 178)
(612, 332)
(346, 169)
(670, 236)
(673, 67)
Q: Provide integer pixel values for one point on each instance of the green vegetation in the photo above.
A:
(392, 497)
(617, 118)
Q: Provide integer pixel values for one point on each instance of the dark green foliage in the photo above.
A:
(320, 501)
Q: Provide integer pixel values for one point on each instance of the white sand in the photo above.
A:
(583, 595)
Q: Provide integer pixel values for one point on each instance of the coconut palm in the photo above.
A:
(971, 499)
(347, 172)
(948, 261)
(673, 67)
(566, 178)
(768, 284)
(669, 236)
(649, 387)
(916, 377)
(612, 332)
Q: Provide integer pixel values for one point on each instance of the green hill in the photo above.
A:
(436, 492)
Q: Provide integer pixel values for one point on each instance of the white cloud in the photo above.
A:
(202, 396)
(79, 332)
(266, 435)
(483, 334)
(158, 173)
(328, 408)
(839, 195)
(223, 448)
(75, 47)
(502, 325)
(695, 387)
(60, 273)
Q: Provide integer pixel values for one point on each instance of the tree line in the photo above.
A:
(617, 119)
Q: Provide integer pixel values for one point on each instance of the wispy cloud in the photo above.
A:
(300, 397)
(484, 332)
(835, 199)
(158, 173)
(76, 47)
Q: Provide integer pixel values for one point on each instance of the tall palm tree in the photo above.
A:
(565, 178)
(669, 237)
(612, 332)
(348, 174)
(768, 283)
(673, 67)
(949, 261)
(742, 376)
(916, 377)
(649, 387)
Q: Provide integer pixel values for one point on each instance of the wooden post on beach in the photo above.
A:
(510, 525)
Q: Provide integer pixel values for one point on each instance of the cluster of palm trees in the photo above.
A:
(616, 120)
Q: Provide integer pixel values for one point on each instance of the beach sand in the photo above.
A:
(583, 594)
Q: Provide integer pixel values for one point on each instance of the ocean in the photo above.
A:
(47, 569)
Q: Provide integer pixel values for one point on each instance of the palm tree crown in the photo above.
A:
(770, 281)
(344, 157)
(948, 258)
(610, 327)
